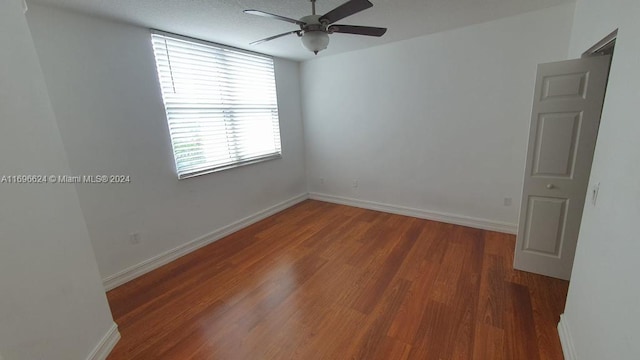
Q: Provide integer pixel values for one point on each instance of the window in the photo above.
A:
(220, 102)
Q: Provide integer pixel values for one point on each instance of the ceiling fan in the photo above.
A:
(315, 29)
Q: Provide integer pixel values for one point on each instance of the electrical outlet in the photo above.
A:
(321, 181)
(508, 201)
(355, 183)
(135, 238)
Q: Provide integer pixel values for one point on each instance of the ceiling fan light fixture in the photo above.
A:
(315, 41)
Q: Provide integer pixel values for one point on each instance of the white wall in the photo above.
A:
(436, 123)
(52, 305)
(104, 89)
(602, 313)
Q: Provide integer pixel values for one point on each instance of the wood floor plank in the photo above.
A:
(467, 292)
(326, 281)
(492, 292)
(380, 279)
(521, 340)
(429, 232)
(434, 338)
(407, 320)
(367, 346)
(390, 348)
(489, 343)
(449, 272)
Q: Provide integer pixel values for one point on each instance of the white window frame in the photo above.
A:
(187, 173)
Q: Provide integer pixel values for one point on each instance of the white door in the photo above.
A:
(564, 125)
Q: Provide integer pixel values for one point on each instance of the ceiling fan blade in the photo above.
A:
(358, 30)
(275, 37)
(347, 9)
(274, 16)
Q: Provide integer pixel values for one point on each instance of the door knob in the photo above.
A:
(550, 186)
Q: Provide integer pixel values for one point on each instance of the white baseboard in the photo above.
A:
(155, 262)
(419, 213)
(106, 344)
(566, 341)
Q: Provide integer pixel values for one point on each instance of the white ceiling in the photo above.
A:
(224, 22)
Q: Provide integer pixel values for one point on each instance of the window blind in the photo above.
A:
(220, 102)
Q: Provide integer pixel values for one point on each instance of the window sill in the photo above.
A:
(231, 166)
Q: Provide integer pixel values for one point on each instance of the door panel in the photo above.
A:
(555, 145)
(564, 126)
(545, 225)
(564, 86)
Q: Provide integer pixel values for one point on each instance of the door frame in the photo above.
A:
(602, 47)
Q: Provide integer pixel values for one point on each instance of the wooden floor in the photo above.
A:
(324, 281)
